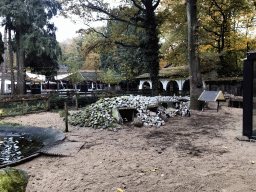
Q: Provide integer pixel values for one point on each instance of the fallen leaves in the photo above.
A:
(153, 170)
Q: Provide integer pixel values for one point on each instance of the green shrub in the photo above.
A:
(57, 102)
(15, 108)
(83, 101)
(62, 113)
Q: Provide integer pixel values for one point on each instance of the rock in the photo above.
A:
(152, 113)
(170, 110)
(13, 180)
(164, 117)
(243, 138)
(138, 122)
(116, 115)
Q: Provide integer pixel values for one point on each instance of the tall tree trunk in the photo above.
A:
(4, 64)
(11, 62)
(128, 86)
(151, 46)
(20, 66)
(196, 85)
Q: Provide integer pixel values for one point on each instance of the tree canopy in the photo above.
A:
(34, 34)
(72, 55)
(43, 64)
(130, 40)
(140, 14)
(125, 59)
(224, 34)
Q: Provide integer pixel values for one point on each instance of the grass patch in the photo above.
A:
(9, 123)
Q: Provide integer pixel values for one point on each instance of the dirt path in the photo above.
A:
(197, 153)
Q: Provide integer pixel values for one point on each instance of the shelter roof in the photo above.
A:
(88, 75)
(29, 76)
(180, 71)
(183, 72)
(62, 76)
(224, 79)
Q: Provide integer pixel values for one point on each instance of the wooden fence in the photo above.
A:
(21, 103)
(18, 105)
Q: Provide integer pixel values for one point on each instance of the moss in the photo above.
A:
(13, 180)
(9, 123)
(116, 115)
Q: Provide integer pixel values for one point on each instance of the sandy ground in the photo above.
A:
(197, 153)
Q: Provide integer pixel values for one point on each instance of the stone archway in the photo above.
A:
(146, 85)
(160, 86)
(172, 87)
(186, 87)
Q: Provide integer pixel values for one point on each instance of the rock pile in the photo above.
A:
(99, 114)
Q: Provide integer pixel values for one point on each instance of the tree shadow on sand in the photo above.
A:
(183, 134)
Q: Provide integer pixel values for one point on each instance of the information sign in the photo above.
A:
(208, 96)
(212, 96)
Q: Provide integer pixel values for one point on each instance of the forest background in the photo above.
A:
(138, 37)
(225, 31)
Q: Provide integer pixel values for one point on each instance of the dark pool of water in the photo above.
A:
(16, 148)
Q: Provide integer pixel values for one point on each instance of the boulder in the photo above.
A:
(116, 115)
(152, 113)
(170, 110)
(164, 117)
(138, 122)
(13, 180)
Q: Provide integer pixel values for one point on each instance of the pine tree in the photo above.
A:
(33, 31)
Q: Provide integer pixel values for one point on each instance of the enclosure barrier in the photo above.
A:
(24, 104)
(55, 99)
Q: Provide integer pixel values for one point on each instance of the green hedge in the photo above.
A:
(57, 102)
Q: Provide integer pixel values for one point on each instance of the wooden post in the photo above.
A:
(47, 104)
(229, 102)
(66, 117)
(22, 107)
(76, 101)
